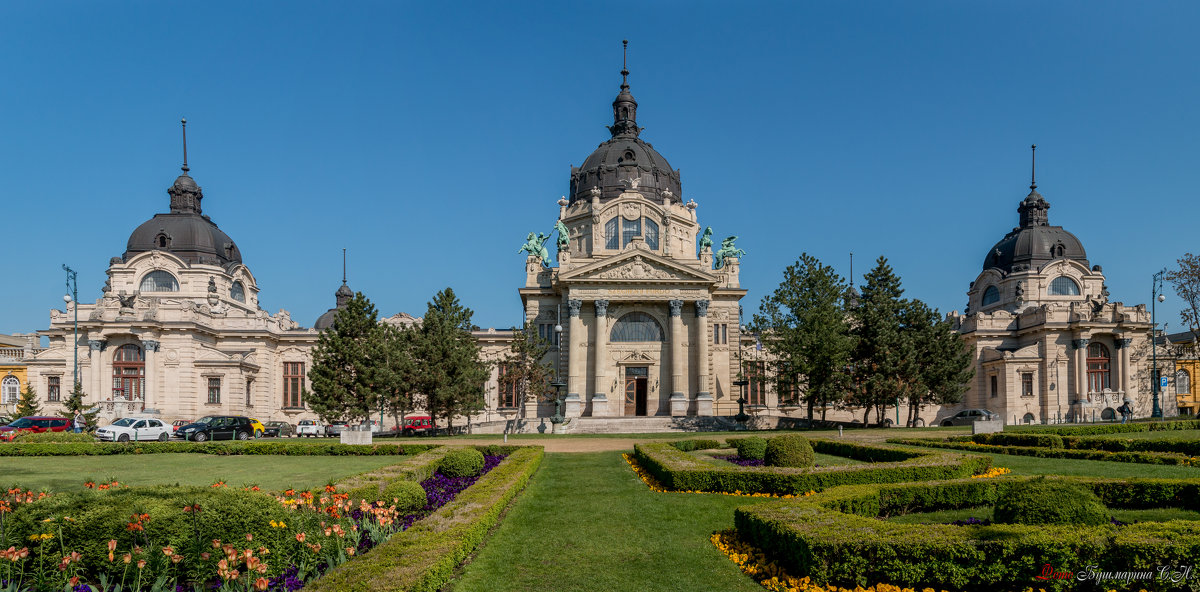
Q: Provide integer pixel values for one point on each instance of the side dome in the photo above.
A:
(1034, 243)
(342, 297)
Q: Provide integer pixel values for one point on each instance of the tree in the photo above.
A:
(1186, 281)
(28, 405)
(452, 375)
(879, 358)
(804, 327)
(343, 364)
(526, 369)
(937, 364)
(75, 404)
(395, 373)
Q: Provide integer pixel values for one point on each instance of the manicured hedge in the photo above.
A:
(424, 557)
(1188, 447)
(1018, 439)
(696, 444)
(218, 448)
(1152, 458)
(681, 471)
(373, 485)
(836, 537)
(1113, 428)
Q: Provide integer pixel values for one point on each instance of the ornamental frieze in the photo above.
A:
(639, 269)
(639, 294)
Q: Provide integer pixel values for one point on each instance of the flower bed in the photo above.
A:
(836, 538)
(18, 448)
(680, 471)
(110, 534)
(1152, 458)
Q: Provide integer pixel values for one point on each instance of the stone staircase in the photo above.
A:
(647, 425)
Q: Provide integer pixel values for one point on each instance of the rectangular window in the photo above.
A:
(756, 374)
(630, 229)
(249, 393)
(720, 334)
(611, 233)
(214, 390)
(651, 234)
(293, 382)
(53, 389)
(995, 386)
(546, 331)
(508, 386)
(1026, 384)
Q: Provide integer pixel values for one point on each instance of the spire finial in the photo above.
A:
(1033, 168)
(851, 270)
(183, 122)
(624, 63)
(343, 266)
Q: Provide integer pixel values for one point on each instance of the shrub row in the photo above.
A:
(424, 557)
(681, 471)
(384, 483)
(20, 448)
(696, 444)
(55, 437)
(1114, 428)
(837, 538)
(1150, 458)
(1188, 447)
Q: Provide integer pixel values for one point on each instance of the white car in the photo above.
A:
(135, 428)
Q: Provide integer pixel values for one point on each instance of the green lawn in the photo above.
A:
(985, 513)
(586, 522)
(67, 473)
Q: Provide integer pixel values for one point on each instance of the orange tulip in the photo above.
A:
(261, 584)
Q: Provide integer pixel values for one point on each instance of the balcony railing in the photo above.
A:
(20, 353)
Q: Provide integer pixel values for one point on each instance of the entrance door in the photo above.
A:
(636, 382)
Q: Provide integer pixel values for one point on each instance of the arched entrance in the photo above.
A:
(129, 373)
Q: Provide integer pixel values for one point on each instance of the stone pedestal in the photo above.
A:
(572, 405)
(599, 405)
(989, 426)
(704, 404)
(356, 437)
(679, 404)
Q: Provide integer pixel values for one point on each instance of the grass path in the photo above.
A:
(586, 522)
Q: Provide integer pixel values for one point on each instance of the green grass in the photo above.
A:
(985, 513)
(1161, 435)
(67, 473)
(586, 522)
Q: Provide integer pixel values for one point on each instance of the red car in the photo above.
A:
(35, 424)
(419, 425)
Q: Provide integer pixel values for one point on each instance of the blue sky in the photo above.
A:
(428, 138)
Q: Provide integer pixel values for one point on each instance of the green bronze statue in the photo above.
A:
(535, 244)
(706, 239)
(727, 250)
(563, 237)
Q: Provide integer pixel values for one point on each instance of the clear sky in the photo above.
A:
(428, 138)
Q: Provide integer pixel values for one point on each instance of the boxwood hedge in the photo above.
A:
(836, 537)
(683, 472)
(1112, 428)
(1153, 458)
(1188, 447)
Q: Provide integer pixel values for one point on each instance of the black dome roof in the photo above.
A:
(343, 296)
(1034, 243)
(617, 163)
(184, 232)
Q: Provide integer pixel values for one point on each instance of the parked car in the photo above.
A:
(33, 424)
(968, 417)
(217, 427)
(334, 430)
(175, 425)
(259, 428)
(278, 429)
(310, 428)
(419, 425)
(135, 428)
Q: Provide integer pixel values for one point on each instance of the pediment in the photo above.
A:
(637, 267)
(636, 356)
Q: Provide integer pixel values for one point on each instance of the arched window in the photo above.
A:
(991, 296)
(1064, 286)
(129, 373)
(10, 390)
(237, 291)
(159, 281)
(612, 237)
(1098, 368)
(636, 326)
(1183, 382)
(651, 234)
(1029, 418)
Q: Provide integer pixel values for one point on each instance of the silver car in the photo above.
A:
(968, 417)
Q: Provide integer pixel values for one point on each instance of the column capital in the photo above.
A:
(573, 307)
(676, 307)
(97, 344)
(1122, 343)
(702, 308)
(150, 344)
(601, 307)
(1079, 343)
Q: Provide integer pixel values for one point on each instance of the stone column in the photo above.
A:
(150, 347)
(96, 353)
(1081, 386)
(574, 358)
(1126, 367)
(704, 399)
(678, 401)
(600, 359)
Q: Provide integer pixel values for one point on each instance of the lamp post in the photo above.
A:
(72, 297)
(1156, 296)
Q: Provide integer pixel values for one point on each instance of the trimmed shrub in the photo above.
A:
(231, 448)
(461, 462)
(697, 444)
(1048, 501)
(54, 437)
(788, 451)
(752, 447)
(1001, 438)
(408, 496)
(1150, 458)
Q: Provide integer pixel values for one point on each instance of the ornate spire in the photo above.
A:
(1034, 209)
(344, 293)
(1033, 168)
(624, 106)
(185, 193)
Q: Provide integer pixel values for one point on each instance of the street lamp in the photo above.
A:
(72, 296)
(1156, 296)
(558, 385)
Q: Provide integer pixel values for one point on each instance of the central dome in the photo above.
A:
(1034, 243)
(184, 232)
(625, 163)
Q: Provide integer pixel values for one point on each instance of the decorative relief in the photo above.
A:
(631, 211)
(573, 307)
(150, 345)
(639, 294)
(638, 269)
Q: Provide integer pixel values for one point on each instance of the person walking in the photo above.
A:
(1125, 411)
(79, 422)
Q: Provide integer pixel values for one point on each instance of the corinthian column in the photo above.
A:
(1126, 367)
(574, 358)
(150, 347)
(678, 399)
(97, 349)
(599, 386)
(704, 399)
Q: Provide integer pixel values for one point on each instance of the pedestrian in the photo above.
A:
(79, 422)
(1125, 411)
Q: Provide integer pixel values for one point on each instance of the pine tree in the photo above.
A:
(452, 374)
(343, 363)
(527, 369)
(75, 404)
(395, 373)
(879, 359)
(804, 327)
(28, 405)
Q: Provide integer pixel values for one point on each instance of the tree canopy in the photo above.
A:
(345, 364)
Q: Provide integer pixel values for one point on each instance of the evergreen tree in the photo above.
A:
(344, 362)
(804, 327)
(946, 367)
(28, 404)
(452, 374)
(526, 368)
(395, 374)
(879, 358)
(75, 404)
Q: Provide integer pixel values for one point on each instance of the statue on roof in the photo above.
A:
(706, 239)
(535, 245)
(563, 238)
(727, 250)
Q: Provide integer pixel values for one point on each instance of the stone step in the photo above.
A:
(646, 425)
